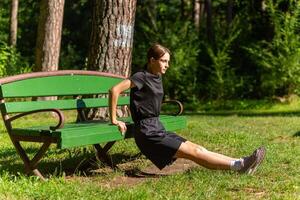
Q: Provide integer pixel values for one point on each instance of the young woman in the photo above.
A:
(162, 147)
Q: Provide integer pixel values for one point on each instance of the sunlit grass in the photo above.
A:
(234, 134)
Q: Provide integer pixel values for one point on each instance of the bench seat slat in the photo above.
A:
(66, 104)
(73, 135)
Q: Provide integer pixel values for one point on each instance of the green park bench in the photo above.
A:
(76, 90)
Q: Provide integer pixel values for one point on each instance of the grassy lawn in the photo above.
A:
(232, 133)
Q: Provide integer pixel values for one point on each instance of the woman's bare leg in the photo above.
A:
(213, 153)
(203, 157)
(213, 160)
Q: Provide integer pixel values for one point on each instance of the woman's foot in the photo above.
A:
(250, 163)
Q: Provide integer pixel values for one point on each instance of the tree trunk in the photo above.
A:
(111, 40)
(208, 7)
(229, 12)
(112, 36)
(198, 13)
(49, 35)
(13, 22)
(182, 9)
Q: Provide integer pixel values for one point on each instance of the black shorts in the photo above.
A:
(155, 142)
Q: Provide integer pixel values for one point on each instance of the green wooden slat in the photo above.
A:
(93, 134)
(67, 104)
(73, 135)
(103, 136)
(104, 133)
(170, 122)
(59, 85)
(71, 128)
(95, 138)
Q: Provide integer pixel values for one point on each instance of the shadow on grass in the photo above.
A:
(137, 173)
(245, 113)
(83, 164)
(297, 134)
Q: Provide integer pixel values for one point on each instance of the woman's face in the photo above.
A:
(160, 65)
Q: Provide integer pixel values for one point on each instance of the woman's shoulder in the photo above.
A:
(140, 73)
(145, 74)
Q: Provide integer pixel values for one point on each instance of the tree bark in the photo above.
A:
(13, 22)
(198, 13)
(112, 36)
(111, 41)
(49, 35)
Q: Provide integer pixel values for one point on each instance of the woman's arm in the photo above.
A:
(114, 93)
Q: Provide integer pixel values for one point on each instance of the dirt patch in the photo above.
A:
(135, 176)
(131, 176)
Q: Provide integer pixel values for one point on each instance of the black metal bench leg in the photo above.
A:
(38, 156)
(30, 165)
(101, 153)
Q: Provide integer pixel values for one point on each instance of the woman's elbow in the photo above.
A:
(113, 90)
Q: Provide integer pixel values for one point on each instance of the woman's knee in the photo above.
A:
(187, 151)
(196, 145)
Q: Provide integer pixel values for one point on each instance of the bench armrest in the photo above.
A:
(56, 111)
(178, 103)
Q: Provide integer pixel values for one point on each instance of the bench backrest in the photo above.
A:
(67, 83)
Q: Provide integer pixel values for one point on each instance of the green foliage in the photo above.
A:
(11, 62)
(279, 59)
(180, 80)
(75, 35)
(222, 79)
(181, 38)
(28, 16)
(4, 21)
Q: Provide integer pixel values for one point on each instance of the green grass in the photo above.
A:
(234, 133)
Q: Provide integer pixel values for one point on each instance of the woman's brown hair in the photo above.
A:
(156, 51)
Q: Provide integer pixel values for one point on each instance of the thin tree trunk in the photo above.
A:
(263, 5)
(111, 40)
(49, 35)
(229, 12)
(197, 14)
(209, 27)
(13, 22)
(182, 9)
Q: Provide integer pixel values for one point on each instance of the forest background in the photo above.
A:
(221, 50)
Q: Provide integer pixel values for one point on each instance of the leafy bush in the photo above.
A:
(4, 22)
(222, 80)
(11, 61)
(279, 59)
